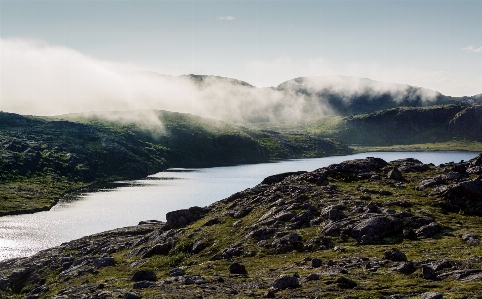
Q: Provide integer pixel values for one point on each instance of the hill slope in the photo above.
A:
(358, 229)
(42, 158)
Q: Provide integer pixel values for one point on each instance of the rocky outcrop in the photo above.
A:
(281, 231)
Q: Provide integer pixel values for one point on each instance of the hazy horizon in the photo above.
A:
(74, 56)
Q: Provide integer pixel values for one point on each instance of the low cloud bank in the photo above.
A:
(42, 79)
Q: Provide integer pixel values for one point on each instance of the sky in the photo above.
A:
(433, 44)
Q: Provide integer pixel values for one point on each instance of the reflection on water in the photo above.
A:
(126, 203)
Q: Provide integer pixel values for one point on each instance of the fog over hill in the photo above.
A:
(43, 79)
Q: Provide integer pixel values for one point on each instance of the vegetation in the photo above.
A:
(343, 255)
(43, 158)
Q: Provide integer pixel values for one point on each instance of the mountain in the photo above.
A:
(405, 126)
(358, 229)
(347, 96)
(42, 158)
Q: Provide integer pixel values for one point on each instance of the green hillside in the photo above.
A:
(43, 158)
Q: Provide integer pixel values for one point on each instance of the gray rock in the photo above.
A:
(316, 263)
(4, 284)
(395, 255)
(431, 295)
(104, 262)
(345, 283)
(395, 174)
(333, 212)
(428, 230)
(142, 284)
(286, 282)
(132, 295)
(405, 267)
(428, 273)
(181, 218)
(471, 239)
(313, 276)
(237, 268)
(144, 275)
(197, 247)
(374, 228)
(177, 272)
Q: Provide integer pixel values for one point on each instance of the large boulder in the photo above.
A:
(182, 218)
(286, 282)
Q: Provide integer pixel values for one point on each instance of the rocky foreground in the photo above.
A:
(358, 229)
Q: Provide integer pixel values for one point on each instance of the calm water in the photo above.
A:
(127, 203)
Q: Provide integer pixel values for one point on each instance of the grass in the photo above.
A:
(463, 145)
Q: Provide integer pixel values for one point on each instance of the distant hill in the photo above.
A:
(42, 158)
(405, 125)
(306, 97)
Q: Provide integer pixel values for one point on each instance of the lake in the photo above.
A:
(126, 203)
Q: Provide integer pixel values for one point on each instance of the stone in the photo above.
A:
(316, 263)
(104, 262)
(395, 255)
(237, 268)
(405, 267)
(270, 294)
(197, 247)
(431, 295)
(313, 276)
(428, 230)
(345, 283)
(333, 212)
(177, 272)
(144, 275)
(395, 174)
(471, 239)
(428, 273)
(142, 284)
(132, 295)
(286, 282)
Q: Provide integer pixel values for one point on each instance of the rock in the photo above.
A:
(405, 267)
(471, 239)
(431, 295)
(104, 262)
(177, 272)
(18, 275)
(212, 222)
(160, 248)
(142, 284)
(132, 295)
(345, 283)
(428, 230)
(395, 174)
(4, 284)
(270, 294)
(294, 238)
(428, 273)
(374, 228)
(395, 255)
(316, 263)
(463, 196)
(236, 268)
(440, 265)
(313, 276)
(197, 247)
(144, 275)
(273, 179)
(181, 218)
(286, 282)
(333, 212)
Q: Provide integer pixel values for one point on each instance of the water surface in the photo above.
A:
(126, 203)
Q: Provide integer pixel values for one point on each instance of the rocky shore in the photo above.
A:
(358, 229)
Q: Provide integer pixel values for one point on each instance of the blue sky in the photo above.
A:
(434, 44)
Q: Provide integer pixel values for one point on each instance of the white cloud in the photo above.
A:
(473, 49)
(272, 72)
(225, 18)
